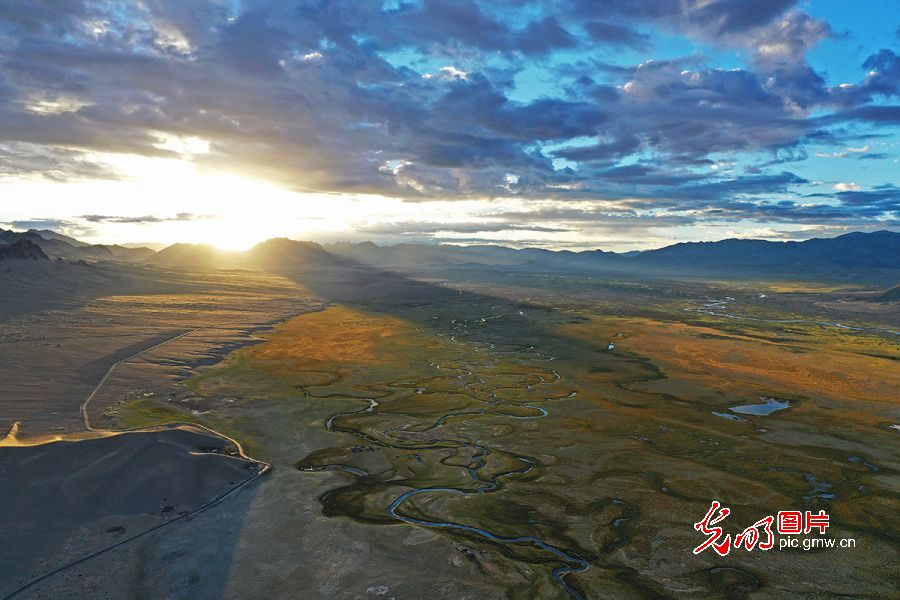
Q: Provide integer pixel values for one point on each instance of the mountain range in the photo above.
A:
(891, 295)
(272, 255)
(57, 245)
(23, 250)
(877, 250)
(869, 256)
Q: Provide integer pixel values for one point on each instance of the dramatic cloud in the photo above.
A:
(141, 219)
(64, 226)
(444, 99)
(419, 228)
(615, 34)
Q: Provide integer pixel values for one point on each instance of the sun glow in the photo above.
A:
(161, 201)
(174, 200)
(168, 200)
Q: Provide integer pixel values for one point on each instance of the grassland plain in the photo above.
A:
(71, 493)
(565, 450)
(54, 353)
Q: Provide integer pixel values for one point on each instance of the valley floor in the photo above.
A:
(502, 437)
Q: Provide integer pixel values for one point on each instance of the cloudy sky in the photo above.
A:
(617, 124)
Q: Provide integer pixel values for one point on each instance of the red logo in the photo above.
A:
(819, 521)
(759, 535)
(790, 522)
(722, 548)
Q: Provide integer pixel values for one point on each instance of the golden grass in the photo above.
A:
(834, 367)
(339, 335)
(139, 414)
(322, 350)
(808, 287)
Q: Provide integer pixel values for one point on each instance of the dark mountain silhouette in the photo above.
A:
(871, 257)
(56, 245)
(48, 234)
(282, 253)
(127, 254)
(54, 248)
(23, 250)
(423, 256)
(891, 295)
(840, 256)
(432, 256)
(857, 251)
(562, 259)
(866, 256)
(194, 255)
(271, 255)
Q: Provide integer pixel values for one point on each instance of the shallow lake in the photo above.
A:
(768, 407)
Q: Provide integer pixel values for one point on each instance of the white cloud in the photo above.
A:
(844, 153)
(184, 145)
(43, 106)
(448, 72)
(170, 37)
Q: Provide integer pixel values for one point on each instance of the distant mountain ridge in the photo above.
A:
(192, 255)
(22, 250)
(412, 256)
(272, 255)
(57, 245)
(877, 250)
(48, 234)
(869, 255)
(284, 253)
(891, 295)
(850, 252)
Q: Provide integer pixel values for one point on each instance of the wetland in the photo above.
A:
(495, 437)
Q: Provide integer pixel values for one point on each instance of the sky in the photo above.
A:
(613, 124)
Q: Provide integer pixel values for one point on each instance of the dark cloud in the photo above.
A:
(54, 163)
(777, 183)
(604, 151)
(540, 37)
(596, 215)
(63, 226)
(426, 98)
(141, 219)
(588, 221)
(702, 17)
(881, 115)
(616, 35)
(885, 197)
(44, 16)
(419, 227)
(55, 224)
(884, 73)
(882, 79)
(735, 16)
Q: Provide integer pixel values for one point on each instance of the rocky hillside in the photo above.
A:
(23, 250)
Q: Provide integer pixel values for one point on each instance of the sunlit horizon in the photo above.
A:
(176, 200)
(551, 127)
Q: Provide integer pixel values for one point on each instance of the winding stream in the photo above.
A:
(712, 307)
(571, 561)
